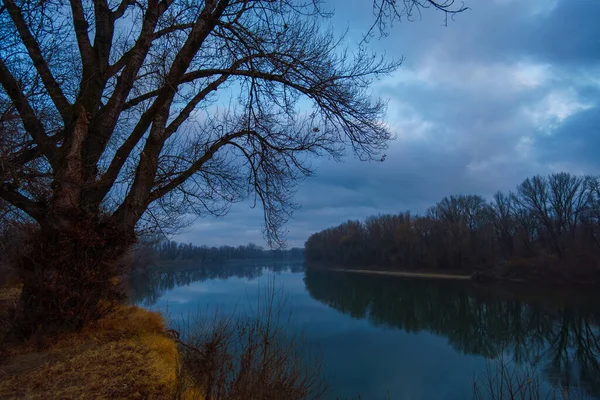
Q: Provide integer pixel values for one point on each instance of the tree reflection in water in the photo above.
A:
(148, 286)
(555, 331)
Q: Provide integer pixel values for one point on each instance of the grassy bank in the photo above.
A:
(130, 354)
(127, 355)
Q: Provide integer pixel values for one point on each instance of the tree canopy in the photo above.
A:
(129, 108)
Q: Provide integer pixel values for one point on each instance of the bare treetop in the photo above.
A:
(133, 109)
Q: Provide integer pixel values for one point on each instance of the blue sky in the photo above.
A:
(509, 89)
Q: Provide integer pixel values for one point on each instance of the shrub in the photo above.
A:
(248, 356)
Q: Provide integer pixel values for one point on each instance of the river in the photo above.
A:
(406, 338)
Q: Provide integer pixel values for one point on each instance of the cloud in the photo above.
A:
(507, 90)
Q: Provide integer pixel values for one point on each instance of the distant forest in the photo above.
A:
(547, 221)
(173, 251)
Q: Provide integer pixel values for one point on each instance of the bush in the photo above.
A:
(248, 356)
(503, 380)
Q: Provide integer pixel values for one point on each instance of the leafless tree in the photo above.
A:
(116, 115)
(558, 202)
(502, 217)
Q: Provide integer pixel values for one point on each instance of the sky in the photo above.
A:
(508, 89)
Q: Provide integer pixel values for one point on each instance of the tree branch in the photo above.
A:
(103, 37)
(58, 98)
(131, 61)
(170, 29)
(136, 200)
(30, 121)
(118, 13)
(81, 27)
(195, 167)
(33, 209)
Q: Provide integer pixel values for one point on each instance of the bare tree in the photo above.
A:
(119, 114)
(502, 217)
(570, 197)
(533, 195)
(558, 202)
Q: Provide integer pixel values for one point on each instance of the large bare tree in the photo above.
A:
(119, 114)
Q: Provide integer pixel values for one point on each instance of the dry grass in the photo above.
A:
(125, 355)
(128, 354)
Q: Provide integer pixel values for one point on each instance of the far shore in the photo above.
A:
(430, 275)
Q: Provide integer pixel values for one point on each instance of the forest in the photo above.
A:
(548, 226)
(174, 251)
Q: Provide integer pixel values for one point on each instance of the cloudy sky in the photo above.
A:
(509, 89)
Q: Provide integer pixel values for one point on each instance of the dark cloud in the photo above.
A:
(576, 142)
(508, 89)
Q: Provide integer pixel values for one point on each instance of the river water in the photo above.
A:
(407, 338)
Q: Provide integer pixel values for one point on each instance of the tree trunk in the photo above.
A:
(69, 276)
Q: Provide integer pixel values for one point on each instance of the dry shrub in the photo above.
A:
(502, 380)
(248, 356)
(125, 355)
(13, 236)
(9, 296)
(8, 274)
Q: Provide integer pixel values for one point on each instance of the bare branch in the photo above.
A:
(30, 120)
(15, 198)
(161, 191)
(118, 13)
(33, 48)
(81, 27)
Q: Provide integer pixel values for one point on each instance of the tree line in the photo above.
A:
(174, 251)
(548, 220)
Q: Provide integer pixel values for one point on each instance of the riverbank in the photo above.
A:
(126, 355)
(547, 271)
(427, 275)
(483, 277)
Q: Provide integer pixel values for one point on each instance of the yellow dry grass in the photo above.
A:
(126, 355)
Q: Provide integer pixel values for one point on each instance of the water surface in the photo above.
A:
(408, 338)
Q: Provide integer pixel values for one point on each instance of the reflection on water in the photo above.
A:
(147, 287)
(559, 336)
(416, 338)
